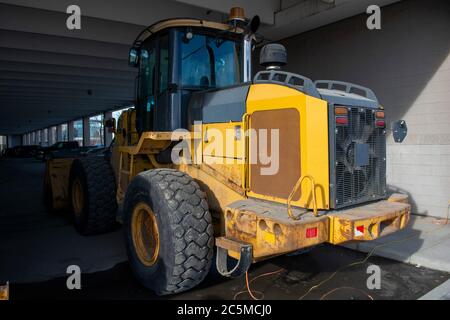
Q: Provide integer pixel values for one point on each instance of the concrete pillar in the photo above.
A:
(42, 137)
(86, 132)
(59, 133)
(108, 134)
(70, 131)
(50, 136)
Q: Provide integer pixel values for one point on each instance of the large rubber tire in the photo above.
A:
(99, 209)
(184, 227)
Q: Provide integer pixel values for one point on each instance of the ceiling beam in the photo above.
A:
(140, 12)
(66, 70)
(62, 45)
(46, 22)
(44, 57)
(263, 8)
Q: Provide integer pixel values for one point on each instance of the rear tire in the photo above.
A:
(93, 195)
(184, 231)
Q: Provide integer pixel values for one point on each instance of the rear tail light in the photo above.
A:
(380, 123)
(343, 121)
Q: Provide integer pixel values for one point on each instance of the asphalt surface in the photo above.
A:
(36, 247)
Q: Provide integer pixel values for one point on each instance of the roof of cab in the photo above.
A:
(183, 22)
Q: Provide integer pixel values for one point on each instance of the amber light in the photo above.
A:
(236, 13)
(379, 114)
(341, 111)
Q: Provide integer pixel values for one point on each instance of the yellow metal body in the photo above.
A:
(57, 175)
(226, 175)
(267, 227)
(313, 114)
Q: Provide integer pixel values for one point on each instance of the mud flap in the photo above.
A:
(244, 250)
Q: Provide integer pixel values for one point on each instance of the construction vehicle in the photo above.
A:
(329, 185)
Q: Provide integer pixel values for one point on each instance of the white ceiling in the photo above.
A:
(47, 71)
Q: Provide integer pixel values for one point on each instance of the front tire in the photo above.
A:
(168, 230)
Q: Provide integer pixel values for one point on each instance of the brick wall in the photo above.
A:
(407, 64)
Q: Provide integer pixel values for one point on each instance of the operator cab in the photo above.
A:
(179, 57)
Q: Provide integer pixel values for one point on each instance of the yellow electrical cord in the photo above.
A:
(371, 253)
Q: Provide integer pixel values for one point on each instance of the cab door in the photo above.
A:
(145, 104)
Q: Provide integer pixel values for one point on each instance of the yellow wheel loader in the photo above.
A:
(213, 159)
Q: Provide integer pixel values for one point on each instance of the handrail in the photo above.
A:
(244, 172)
(330, 85)
(294, 190)
(289, 78)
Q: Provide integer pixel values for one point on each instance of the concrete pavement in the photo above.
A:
(36, 245)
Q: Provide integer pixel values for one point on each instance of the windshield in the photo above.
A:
(210, 61)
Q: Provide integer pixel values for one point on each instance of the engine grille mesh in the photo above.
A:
(360, 180)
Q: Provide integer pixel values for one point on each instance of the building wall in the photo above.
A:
(407, 64)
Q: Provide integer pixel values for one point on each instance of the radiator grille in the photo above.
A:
(360, 159)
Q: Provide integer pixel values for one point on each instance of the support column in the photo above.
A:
(70, 131)
(50, 136)
(86, 132)
(42, 137)
(107, 131)
(59, 133)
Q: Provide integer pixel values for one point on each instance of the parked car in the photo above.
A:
(27, 151)
(43, 153)
(21, 151)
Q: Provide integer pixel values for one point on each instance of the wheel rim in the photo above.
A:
(77, 197)
(144, 229)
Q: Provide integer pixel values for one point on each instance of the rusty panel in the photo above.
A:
(266, 227)
(287, 121)
(374, 220)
